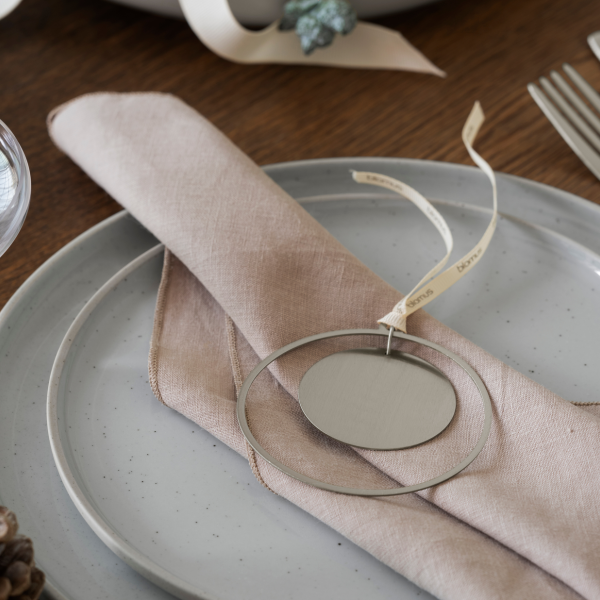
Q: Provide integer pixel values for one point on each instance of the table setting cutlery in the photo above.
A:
(575, 121)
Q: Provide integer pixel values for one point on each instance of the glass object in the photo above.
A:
(15, 187)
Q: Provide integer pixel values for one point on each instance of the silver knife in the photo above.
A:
(594, 42)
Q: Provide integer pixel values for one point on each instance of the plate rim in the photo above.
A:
(23, 289)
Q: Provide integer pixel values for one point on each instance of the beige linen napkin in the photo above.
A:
(249, 271)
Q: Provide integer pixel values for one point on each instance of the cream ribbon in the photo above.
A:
(367, 47)
(432, 284)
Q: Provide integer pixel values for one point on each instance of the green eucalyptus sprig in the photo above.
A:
(317, 21)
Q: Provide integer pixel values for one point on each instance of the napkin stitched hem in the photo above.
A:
(157, 327)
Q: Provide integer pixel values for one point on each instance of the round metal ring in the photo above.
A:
(485, 399)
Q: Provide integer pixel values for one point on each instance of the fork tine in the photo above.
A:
(575, 100)
(584, 87)
(586, 153)
(570, 113)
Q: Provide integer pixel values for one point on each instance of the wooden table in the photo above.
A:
(53, 51)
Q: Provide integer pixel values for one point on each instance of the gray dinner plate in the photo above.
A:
(532, 301)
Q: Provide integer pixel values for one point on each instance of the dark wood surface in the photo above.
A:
(53, 51)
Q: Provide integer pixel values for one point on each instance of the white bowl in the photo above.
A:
(262, 12)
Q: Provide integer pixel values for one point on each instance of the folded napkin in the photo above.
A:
(248, 271)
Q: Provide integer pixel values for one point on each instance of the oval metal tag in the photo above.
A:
(369, 399)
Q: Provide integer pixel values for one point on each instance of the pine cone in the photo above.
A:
(20, 579)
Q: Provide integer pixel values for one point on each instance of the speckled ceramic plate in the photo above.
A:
(184, 510)
(77, 564)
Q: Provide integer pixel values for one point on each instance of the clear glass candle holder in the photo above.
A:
(15, 187)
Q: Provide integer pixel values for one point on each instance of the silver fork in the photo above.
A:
(576, 122)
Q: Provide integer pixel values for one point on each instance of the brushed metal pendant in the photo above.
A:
(463, 464)
(370, 399)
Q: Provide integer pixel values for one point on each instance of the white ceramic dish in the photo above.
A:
(262, 12)
(150, 482)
